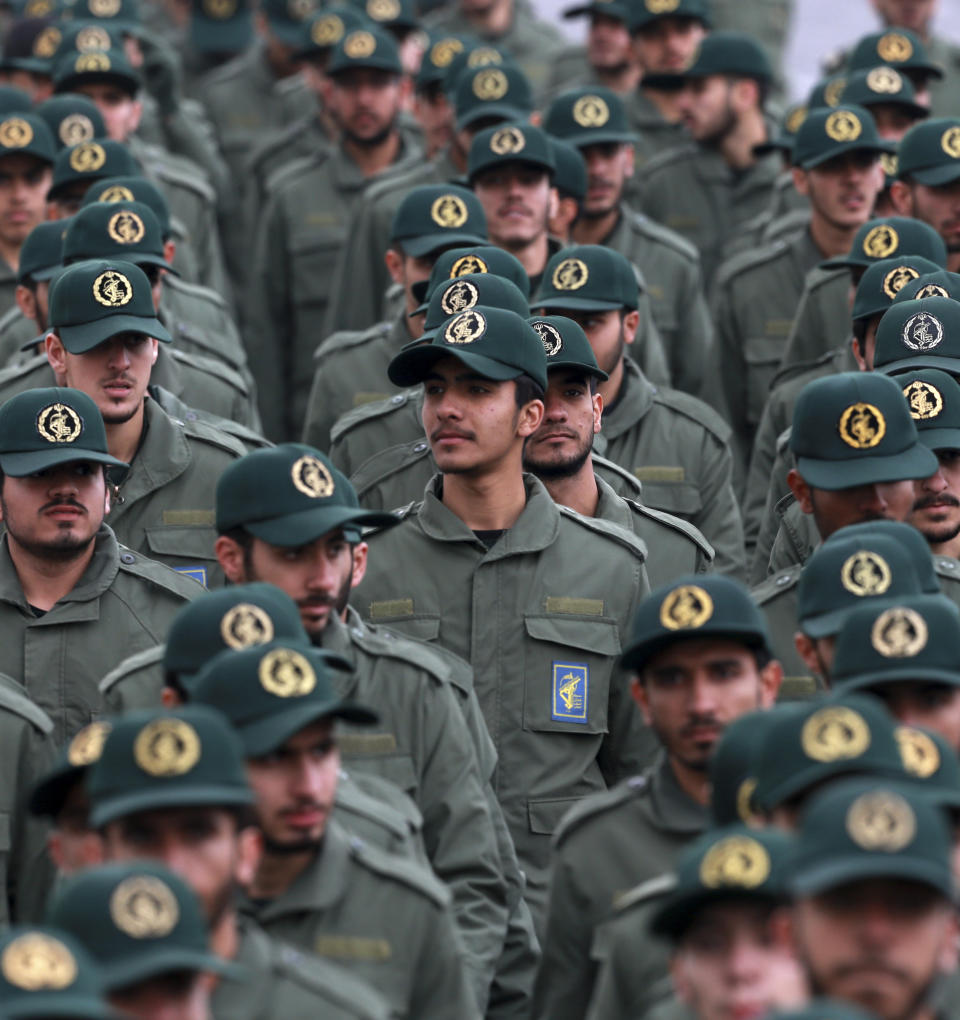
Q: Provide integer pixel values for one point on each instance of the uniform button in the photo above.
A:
(420, 447)
(948, 564)
(357, 632)
(127, 557)
(398, 399)
(781, 581)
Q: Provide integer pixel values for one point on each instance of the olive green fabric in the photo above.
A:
(946, 54)
(655, 134)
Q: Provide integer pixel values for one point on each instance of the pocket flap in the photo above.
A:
(680, 498)
(595, 635)
(186, 542)
(545, 815)
(423, 626)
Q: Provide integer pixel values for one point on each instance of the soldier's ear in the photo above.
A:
(394, 263)
(801, 491)
(771, 677)
(230, 556)
(800, 181)
(56, 356)
(359, 551)
(901, 198)
(26, 302)
(249, 854)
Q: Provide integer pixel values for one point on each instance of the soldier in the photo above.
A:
(595, 121)
(66, 580)
(79, 166)
(570, 181)
(41, 258)
(891, 100)
(72, 119)
(686, 637)
(608, 59)
(673, 443)
(707, 188)
(905, 52)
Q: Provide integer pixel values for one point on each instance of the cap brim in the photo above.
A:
(18, 465)
(148, 258)
(933, 176)
(84, 337)
(842, 150)
(940, 439)
(412, 366)
(576, 304)
(504, 110)
(49, 795)
(675, 916)
(425, 244)
(845, 262)
(825, 624)
(111, 808)
(58, 1006)
(611, 10)
(126, 82)
(667, 82)
(949, 365)
(373, 64)
(306, 526)
(33, 342)
(834, 475)
(902, 672)
(266, 735)
(600, 137)
(841, 870)
(47, 273)
(806, 778)
(635, 657)
(577, 366)
(165, 960)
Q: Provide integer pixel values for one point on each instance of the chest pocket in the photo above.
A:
(762, 355)
(313, 259)
(377, 753)
(567, 662)
(398, 615)
(680, 498)
(184, 548)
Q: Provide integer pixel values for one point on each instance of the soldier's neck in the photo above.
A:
(596, 229)
(277, 872)
(495, 21)
(610, 388)
(491, 501)
(666, 104)
(737, 147)
(953, 262)
(830, 239)
(695, 783)
(123, 439)
(373, 159)
(533, 256)
(951, 548)
(46, 581)
(579, 491)
(622, 80)
(10, 253)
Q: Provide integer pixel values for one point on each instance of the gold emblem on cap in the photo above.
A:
(383, 10)
(894, 48)
(443, 52)
(745, 794)
(75, 128)
(92, 38)
(738, 861)
(245, 625)
(897, 279)
(899, 633)
(116, 193)
(220, 10)
(87, 158)
(795, 120)
(921, 757)
(15, 133)
(126, 227)
(312, 477)
(951, 142)
(686, 608)
(881, 242)
(327, 30)
(91, 63)
(843, 126)
(885, 80)
(835, 734)
(570, 274)
(167, 747)
(832, 95)
(47, 42)
(104, 8)
(112, 289)
(87, 746)
(591, 111)
(483, 56)
(358, 45)
(35, 961)
(489, 85)
(930, 290)
(922, 332)
(924, 399)
(507, 141)
(890, 163)
(465, 328)
(467, 264)
(144, 907)
(59, 423)
(661, 6)
(862, 426)
(449, 212)
(286, 674)
(881, 821)
(38, 8)
(865, 573)
(550, 337)
(458, 297)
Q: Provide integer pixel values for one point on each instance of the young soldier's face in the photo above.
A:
(836, 508)
(571, 418)
(843, 190)
(936, 505)
(609, 332)
(365, 103)
(938, 206)
(667, 44)
(518, 201)
(24, 182)
(609, 167)
(608, 43)
(120, 110)
(706, 108)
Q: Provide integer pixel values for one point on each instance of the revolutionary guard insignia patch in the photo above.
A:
(359, 45)
(507, 141)
(383, 10)
(75, 129)
(104, 8)
(924, 400)
(465, 328)
(35, 961)
(116, 193)
(167, 747)
(922, 332)
(459, 296)
(894, 48)
(144, 907)
(443, 52)
(930, 290)
(862, 426)
(591, 111)
(881, 242)
(87, 158)
(484, 56)
(245, 625)
(881, 820)
(899, 633)
(15, 133)
(490, 85)
(884, 80)
(93, 37)
(686, 608)
(832, 95)
(87, 746)
(843, 126)
(835, 733)
(865, 573)
(661, 6)
(571, 692)
(951, 142)
(126, 227)
(59, 423)
(550, 335)
(897, 279)
(312, 477)
(467, 264)
(112, 289)
(737, 861)
(570, 274)
(91, 63)
(327, 30)
(449, 212)
(286, 674)
(921, 757)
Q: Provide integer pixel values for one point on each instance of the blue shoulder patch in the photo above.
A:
(199, 574)
(571, 692)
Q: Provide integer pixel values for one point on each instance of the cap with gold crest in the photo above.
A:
(733, 769)
(645, 12)
(98, 66)
(286, 18)
(132, 189)
(934, 401)
(397, 16)
(589, 116)
(938, 283)
(724, 53)
(368, 47)
(49, 795)
(466, 261)
(732, 863)
(566, 345)
(587, 277)
(929, 153)
(72, 119)
(691, 608)
(273, 691)
(127, 230)
(883, 281)
(854, 428)
(499, 90)
(30, 45)
(154, 759)
(139, 920)
(325, 27)
(41, 255)
(891, 237)
(474, 54)
(26, 134)
(922, 333)
(868, 828)
(828, 133)
(462, 293)
(91, 161)
(896, 47)
(510, 143)
(823, 1009)
(934, 764)
(54, 425)
(883, 86)
(438, 216)
(442, 47)
(614, 9)
(86, 36)
(223, 27)
(911, 639)
(46, 972)
(122, 15)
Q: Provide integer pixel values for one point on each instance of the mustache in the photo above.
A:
(448, 430)
(122, 377)
(698, 721)
(515, 207)
(65, 501)
(855, 967)
(600, 182)
(317, 600)
(945, 499)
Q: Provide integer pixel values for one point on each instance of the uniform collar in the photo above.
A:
(163, 456)
(633, 401)
(673, 808)
(610, 507)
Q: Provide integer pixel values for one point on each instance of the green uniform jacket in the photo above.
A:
(570, 69)
(26, 753)
(15, 332)
(382, 918)
(692, 190)
(281, 981)
(679, 449)
(123, 603)
(604, 847)
(541, 617)
(787, 212)
(822, 318)
(943, 93)
(768, 21)
(654, 134)
(8, 287)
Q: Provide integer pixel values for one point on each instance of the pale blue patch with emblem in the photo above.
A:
(571, 692)
(199, 574)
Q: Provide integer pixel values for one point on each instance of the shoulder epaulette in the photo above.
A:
(158, 574)
(694, 409)
(599, 804)
(348, 338)
(184, 178)
(139, 660)
(790, 373)
(367, 412)
(783, 440)
(607, 529)
(642, 224)
(629, 479)
(179, 411)
(678, 524)
(947, 566)
(10, 316)
(206, 432)
(645, 892)
(14, 698)
(391, 645)
(215, 367)
(195, 290)
(782, 581)
(786, 225)
(398, 869)
(819, 277)
(388, 462)
(11, 372)
(353, 799)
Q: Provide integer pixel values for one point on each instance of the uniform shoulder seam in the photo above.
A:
(677, 524)
(148, 657)
(783, 580)
(608, 530)
(399, 870)
(695, 409)
(600, 804)
(20, 704)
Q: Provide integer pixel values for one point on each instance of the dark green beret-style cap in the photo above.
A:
(496, 343)
(854, 428)
(732, 863)
(91, 161)
(826, 134)
(510, 143)
(930, 760)
(286, 18)
(153, 759)
(919, 334)
(72, 119)
(289, 495)
(936, 283)
(438, 216)
(75, 69)
(871, 828)
(566, 345)
(588, 116)
(54, 425)
(474, 54)
(934, 401)
(451, 297)
(909, 539)
(390, 14)
(883, 86)
(50, 793)
(221, 26)
(272, 691)
(789, 125)
(326, 27)
(690, 608)
(570, 178)
(369, 47)
(883, 281)
(14, 100)
(929, 153)
(139, 920)
(41, 255)
(891, 237)
(734, 53)
(121, 15)
(26, 134)
(587, 277)
(733, 768)
(466, 261)
(645, 12)
(606, 8)
(895, 47)
(810, 742)
(94, 300)
(85, 36)
(132, 189)
(440, 51)
(127, 230)
(498, 91)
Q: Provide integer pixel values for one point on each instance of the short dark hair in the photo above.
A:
(527, 388)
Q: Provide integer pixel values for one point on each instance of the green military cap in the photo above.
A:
(915, 638)
(97, 299)
(497, 343)
(29, 46)
(110, 66)
(883, 86)
(89, 162)
(497, 92)
(72, 119)
(606, 8)
(286, 18)
(929, 153)
(787, 129)
(588, 116)
(828, 133)
(132, 188)
(47, 973)
(139, 920)
(26, 134)
(808, 743)
(14, 100)
(570, 177)
(908, 538)
(733, 53)
(473, 55)
(733, 768)
(566, 345)
(934, 401)
(221, 26)
(438, 216)
(936, 283)
(883, 280)
(930, 760)
(854, 428)
(127, 230)
(870, 828)
(510, 143)
(54, 425)
(451, 297)
(88, 37)
(724, 864)
(826, 92)
(645, 12)
(326, 27)
(895, 47)
(465, 261)
(690, 608)
(122, 15)
(889, 237)
(41, 255)
(919, 334)
(273, 691)
(153, 759)
(439, 53)
(587, 277)
(50, 793)
(365, 47)
(822, 1009)
(390, 14)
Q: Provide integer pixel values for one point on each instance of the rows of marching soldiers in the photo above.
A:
(481, 516)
